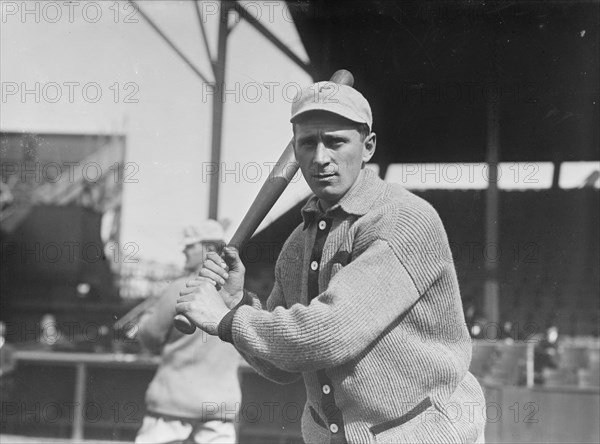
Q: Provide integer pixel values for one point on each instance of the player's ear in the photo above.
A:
(369, 146)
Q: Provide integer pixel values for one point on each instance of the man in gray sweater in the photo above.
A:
(366, 305)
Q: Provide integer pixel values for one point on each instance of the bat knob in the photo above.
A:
(342, 77)
(184, 325)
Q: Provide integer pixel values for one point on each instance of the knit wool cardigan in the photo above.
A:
(387, 326)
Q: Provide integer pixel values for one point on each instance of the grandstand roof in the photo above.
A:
(58, 169)
(431, 69)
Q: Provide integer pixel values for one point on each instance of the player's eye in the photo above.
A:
(335, 141)
(306, 143)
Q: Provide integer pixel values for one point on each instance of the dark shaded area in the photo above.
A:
(42, 402)
(431, 69)
(270, 413)
(56, 189)
(44, 260)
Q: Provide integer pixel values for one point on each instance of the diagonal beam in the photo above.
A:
(204, 39)
(271, 37)
(169, 42)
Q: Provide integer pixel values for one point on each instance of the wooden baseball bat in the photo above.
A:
(279, 178)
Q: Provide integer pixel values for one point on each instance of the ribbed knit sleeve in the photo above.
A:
(415, 234)
(362, 300)
(262, 366)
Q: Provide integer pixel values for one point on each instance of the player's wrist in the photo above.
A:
(236, 300)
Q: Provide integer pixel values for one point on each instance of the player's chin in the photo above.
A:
(328, 193)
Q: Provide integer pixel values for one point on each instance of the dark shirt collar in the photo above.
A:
(358, 200)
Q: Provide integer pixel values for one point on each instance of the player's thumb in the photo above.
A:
(232, 258)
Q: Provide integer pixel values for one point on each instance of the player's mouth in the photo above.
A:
(325, 177)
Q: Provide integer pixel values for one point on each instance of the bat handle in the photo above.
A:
(184, 325)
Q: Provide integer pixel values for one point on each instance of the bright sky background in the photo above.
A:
(169, 129)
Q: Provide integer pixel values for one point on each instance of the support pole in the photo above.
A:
(491, 250)
(79, 401)
(218, 102)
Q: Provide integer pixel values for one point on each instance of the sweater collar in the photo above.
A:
(358, 200)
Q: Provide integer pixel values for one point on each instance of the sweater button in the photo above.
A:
(314, 265)
(326, 389)
(322, 225)
(333, 428)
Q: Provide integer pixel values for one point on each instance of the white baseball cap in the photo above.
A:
(208, 231)
(342, 100)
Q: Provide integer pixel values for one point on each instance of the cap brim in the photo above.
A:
(333, 108)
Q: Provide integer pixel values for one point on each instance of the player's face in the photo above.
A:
(195, 255)
(331, 154)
